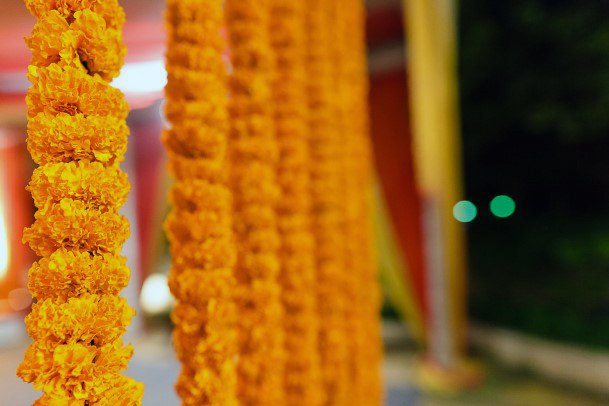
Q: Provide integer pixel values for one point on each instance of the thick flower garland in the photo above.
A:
(77, 134)
(199, 226)
(302, 379)
(253, 156)
(362, 286)
(327, 202)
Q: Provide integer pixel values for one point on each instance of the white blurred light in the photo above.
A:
(19, 299)
(156, 297)
(142, 77)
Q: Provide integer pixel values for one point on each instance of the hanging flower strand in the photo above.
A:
(199, 226)
(327, 201)
(302, 379)
(362, 286)
(77, 134)
(253, 163)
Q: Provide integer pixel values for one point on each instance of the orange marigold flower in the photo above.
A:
(213, 108)
(103, 188)
(71, 224)
(189, 83)
(196, 140)
(214, 253)
(93, 319)
(57, 89)
(65, 138)
(195, 286)
(200, 194)
(197, 226)
(194, 168)
(86, 43)
(123, 391)
(75, 371)
(65, 274)
(110, 10)
(195, 58)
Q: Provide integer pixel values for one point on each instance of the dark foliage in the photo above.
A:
(534, 83)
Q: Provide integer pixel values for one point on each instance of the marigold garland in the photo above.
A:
(302, 379)
(77, 134)
(362, 284)
(328, 202)
(199, 226)
(253, 156)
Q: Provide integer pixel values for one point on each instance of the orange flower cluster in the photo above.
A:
(199, 226)
(77, 134)
(369, 350)
(302, 379)
(253, 157)
(327, 202)
(361, 287)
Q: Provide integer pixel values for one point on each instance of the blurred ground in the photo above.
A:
(154, 364)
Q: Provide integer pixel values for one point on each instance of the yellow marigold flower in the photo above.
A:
(93, 319)
(213, 108)
(124, 391)
(66, 274)
(72, 224)
(65, 138)
(189, 83)
(110, 10)
(86, 43)
(197, 226)
(196, 140)
(75, 370)
(46, 40)
(200, 194)
(69, 90)
(212, 254)
(193, 285)
(103, 188)
(194, 321)
(194, 168)
(194, 58)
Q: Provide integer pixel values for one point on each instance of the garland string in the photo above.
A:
(199, 226)
(253, 155)
(362, 286)
(302, 380)
(77, 135)
(326, 190)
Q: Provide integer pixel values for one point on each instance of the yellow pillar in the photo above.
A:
(431, 48)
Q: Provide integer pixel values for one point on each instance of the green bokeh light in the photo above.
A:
(465, 211)
(503, 206)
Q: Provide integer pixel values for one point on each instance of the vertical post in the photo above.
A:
(431, 48)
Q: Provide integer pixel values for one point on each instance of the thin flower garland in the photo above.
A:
(253, 157)
(78, 135)
(199, 226)
(327, 200)
(302, 380)
(363, 315)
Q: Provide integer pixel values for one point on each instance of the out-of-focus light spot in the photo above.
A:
(19, 299)
(465, 211)
(503, 206)
(156, 297)
(142, 77)
(4, 247)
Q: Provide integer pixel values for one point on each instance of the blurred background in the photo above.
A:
(490, 126)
